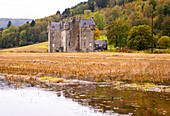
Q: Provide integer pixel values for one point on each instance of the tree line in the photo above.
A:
(118, 17)
(26, 34)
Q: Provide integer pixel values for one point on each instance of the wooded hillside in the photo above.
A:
(119, 19)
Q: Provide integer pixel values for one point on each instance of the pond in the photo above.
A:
(80, 100)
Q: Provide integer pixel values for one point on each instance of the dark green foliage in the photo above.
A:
(32, 23)
(117, 33)
(166, 10)
(139, 37)
(9, 24)
(153, 3)
(166, 26)
(91, 5)
(164, 42)
(58, 12)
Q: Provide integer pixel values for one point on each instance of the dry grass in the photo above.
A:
(40, 47)
(89, 66)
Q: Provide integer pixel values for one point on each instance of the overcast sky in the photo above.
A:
(33, 9)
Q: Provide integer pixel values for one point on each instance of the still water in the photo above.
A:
(31, 101)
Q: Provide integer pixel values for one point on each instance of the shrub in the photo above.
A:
(164, 42)
(139, 37)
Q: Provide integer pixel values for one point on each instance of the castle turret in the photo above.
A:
(66, 25)
(92, 25)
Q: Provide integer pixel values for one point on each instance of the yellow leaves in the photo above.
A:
(97, 34)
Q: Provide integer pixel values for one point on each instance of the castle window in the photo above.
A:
(84, 24)
(69, 35)
(90, 44)
(53, 39)
(84, 31)
(84, 37)
(69, 43)
(84, 43)
(78, 36)
(53, 27)
(53, 45)
(71, 28)
(53, 34)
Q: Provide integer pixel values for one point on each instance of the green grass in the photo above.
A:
(103, 37)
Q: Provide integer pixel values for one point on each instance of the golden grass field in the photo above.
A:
(39, 47)
(99, 66)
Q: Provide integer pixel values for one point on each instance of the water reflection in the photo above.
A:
(31, 101)
(80, 99)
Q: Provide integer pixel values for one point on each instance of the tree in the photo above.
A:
(97, 34)
(58, 12)
(166, 26)
(117, 33)
(23, 39)
(160, 12)
(164, 41)
(140, 37)
(43, 36)
(87, 14)
(116, 12)
(9, 24)
(32, 23)
(99, 20)
(153, 3)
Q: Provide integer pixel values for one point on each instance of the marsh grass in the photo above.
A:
(89, 66)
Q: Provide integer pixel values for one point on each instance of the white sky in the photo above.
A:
(33, 9)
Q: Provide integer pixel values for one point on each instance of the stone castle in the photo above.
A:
(72, 36)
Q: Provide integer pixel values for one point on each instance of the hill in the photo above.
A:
(16, 22)
(114, 18)
(36, 48)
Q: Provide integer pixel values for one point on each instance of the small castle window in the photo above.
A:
(71, 28)
(53, 34)
(84, 24)
(53, 45)
(84, 37)
(84, 31)
(69, 43)
(69, 35)
(53, 39)
(84, 43)
(90, 44)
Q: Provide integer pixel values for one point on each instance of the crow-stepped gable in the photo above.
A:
(71, 36)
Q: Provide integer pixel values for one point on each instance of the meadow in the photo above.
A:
(98, 66)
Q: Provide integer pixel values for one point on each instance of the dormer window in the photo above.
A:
(84, 24)
(53, 27)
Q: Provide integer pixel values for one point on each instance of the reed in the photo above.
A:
(105, 66)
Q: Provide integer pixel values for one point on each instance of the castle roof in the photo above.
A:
(67, 22)
(87, 23)
(101, 43)
(55, 26)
